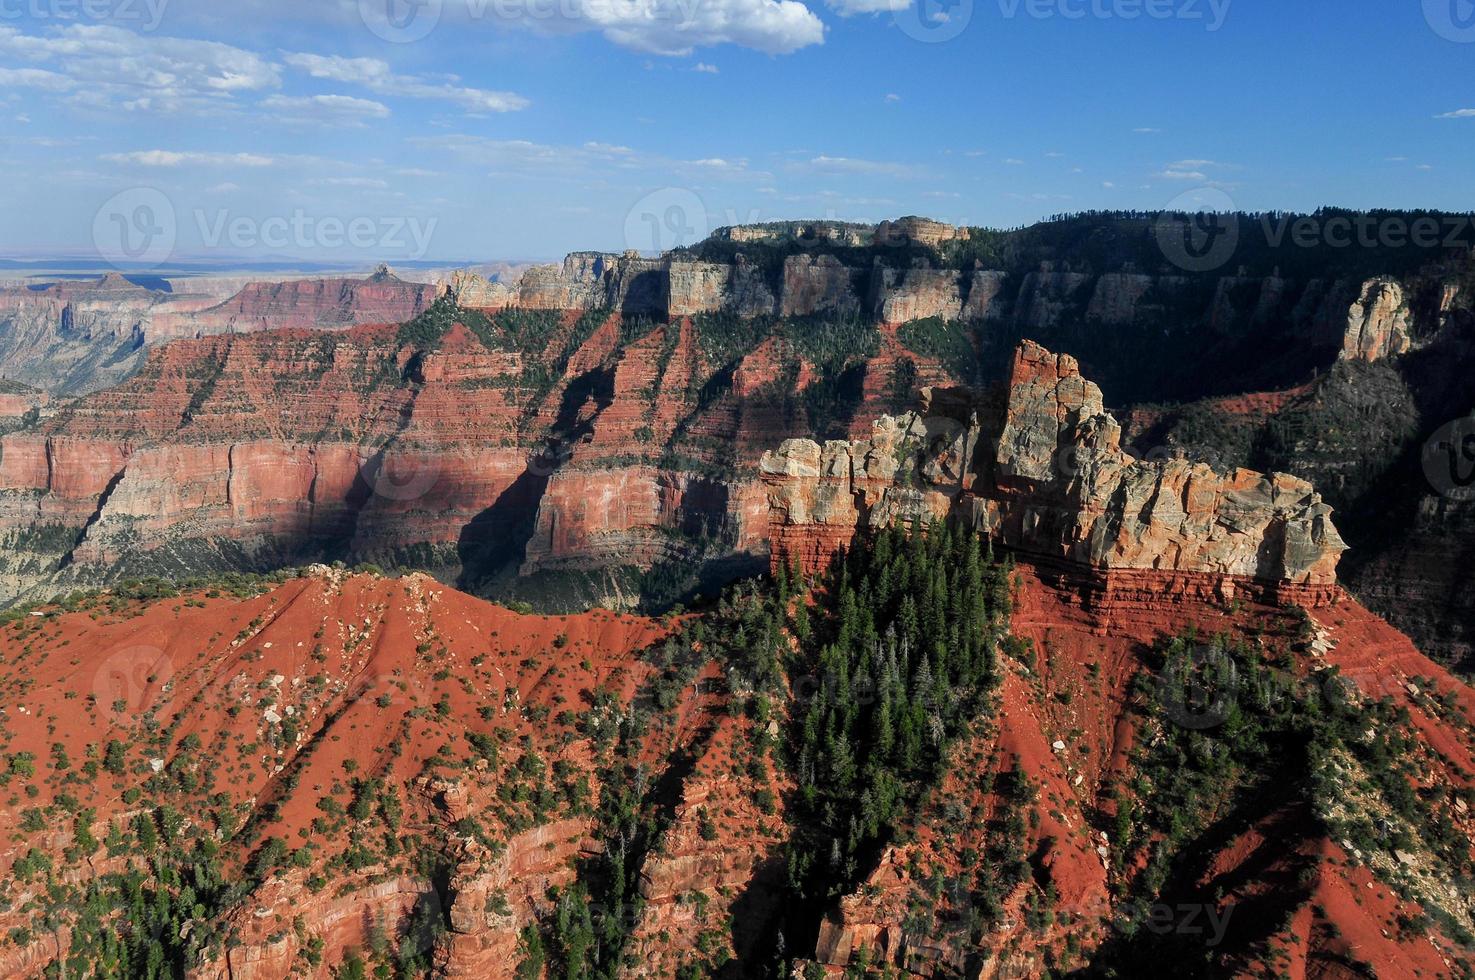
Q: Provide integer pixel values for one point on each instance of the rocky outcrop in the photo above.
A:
(818, 284)
(496, 895)
(1041, 470)
(475, 292)
(901, 296)
(1379, 323)
(17, 401)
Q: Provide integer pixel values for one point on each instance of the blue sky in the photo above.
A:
(526, 128)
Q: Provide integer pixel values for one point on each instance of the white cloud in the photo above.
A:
(705, 68)
(1195, 170)
(867, 168)
(170, 158)
(377, 76)
(361, 183)
(524, 158)
(660, 27)
(1458, 114)
(1146, 130)
(849, 8)
(325, 109)
(106, 67)
(674, 27)
(1014, 162)
(35, 78)
(892, 98)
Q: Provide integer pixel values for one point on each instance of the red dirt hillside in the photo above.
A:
(1283, 868)
(351, 766)
(359, 760)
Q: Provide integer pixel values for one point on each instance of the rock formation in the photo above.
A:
(1378, 324)
(1042, 472)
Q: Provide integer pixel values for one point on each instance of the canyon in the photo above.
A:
(1152, 715)
(593, 432)
(75, 337)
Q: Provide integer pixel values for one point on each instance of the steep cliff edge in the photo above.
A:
(557, 445)
(1044, 473)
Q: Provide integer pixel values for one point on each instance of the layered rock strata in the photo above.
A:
(1042, 472)
(77, 337)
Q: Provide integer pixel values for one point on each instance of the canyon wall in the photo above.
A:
(1365, 319)
(76, 337)
(569, 451)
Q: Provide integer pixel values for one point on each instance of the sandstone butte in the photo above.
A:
(1043, 473)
